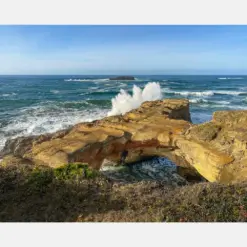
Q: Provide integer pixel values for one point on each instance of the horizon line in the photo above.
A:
(122, 74)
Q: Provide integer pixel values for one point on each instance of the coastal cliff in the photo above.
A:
(216, 149)
(55, 177)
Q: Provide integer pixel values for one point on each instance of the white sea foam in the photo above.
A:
(85, 80)
(54, 91)
(203, 93)
(229, 107)
(187, 93)
(122, 85)
(8, 94)
(213, 102)
(223, 102)
(228, 92)
(198, 100)
(125, 102)
(230, 78)
(46, 119)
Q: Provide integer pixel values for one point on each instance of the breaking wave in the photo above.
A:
(125, 102)
(48, 118)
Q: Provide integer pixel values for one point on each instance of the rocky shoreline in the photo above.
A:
(150, 165)
(216, 149)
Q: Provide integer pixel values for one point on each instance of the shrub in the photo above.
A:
(73, 171)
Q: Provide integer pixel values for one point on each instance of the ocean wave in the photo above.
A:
(210, 102)
(121, 84)
(203, 93)
(125, 102)
(231, 107)
(85, 80)
(230, 78)
(237, 107)
(223, 105)
(8, 94)
(222, 102)
(198, 101)
(229, 92)
(55, 91)
(47, 119)
(187, 93)
(173, 82)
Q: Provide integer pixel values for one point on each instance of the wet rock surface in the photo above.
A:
(156, 169)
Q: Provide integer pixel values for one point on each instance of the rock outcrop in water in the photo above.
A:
(216, 149)
(121, 78)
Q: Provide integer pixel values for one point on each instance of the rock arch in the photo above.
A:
(216, 149)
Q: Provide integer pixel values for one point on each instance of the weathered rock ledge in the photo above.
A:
(216, 149)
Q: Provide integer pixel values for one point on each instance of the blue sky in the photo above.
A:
(123, 49)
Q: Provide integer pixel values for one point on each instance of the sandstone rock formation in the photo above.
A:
(146, 131)
(216, 149)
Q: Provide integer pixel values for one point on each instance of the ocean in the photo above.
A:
(31, 105)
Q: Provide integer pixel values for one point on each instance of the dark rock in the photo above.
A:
(128, 78)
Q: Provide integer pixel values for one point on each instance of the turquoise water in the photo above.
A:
(39, 104)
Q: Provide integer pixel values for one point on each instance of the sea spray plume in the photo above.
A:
(124, 102)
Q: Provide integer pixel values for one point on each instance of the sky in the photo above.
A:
(120, 50)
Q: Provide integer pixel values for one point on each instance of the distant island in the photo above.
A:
(129, 78)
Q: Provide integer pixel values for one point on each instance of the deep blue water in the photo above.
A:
(39, 104)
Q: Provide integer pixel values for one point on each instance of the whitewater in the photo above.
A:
(125, 102)
(33, 105)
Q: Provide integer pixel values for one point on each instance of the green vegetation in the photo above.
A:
(74, 192)
(72, 171)
(41, 177)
